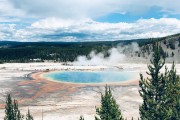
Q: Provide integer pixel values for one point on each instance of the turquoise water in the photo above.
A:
(90, 77)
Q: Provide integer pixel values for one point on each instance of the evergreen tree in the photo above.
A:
(172, 54)
(109, 109)
(81, 118)
(29, 116)
(152, 89)
(172, 44)
(173, 94)
(9, 108)
(157, 91)
(16, 111)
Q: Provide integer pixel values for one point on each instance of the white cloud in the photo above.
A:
(65, 8)
(92, 8)
(9, 19)
(6, 31)
(73, 20)
(56, 29)
(7, 9)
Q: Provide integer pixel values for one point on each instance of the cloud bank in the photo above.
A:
(55, 29)
(75, 20)
(92, 8)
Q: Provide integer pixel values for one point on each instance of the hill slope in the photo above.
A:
(69, 51)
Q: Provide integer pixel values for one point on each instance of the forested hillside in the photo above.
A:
(68, 51)
(170, 48)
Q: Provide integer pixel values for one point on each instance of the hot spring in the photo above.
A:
(91, 76)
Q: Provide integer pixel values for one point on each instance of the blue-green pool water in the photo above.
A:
(90, 77)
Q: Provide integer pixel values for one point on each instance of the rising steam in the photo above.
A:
(119, 54)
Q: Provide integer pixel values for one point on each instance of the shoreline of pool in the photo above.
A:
(40, 76)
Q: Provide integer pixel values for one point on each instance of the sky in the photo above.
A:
(87, 20)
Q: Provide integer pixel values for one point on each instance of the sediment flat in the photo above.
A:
(65, 101)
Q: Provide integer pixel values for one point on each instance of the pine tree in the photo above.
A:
(173, 94)
(81, 118)
(172, 54)
(9, 109)
(109, 109)
(29, 116)
(160, 92)
(152, 89)
(16, 111)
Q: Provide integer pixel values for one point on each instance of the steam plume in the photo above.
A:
(117, 55)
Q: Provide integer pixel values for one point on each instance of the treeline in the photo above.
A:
(160, 93)
(40, 52)
(69, 51)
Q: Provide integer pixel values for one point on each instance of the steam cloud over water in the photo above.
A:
(117, 55)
